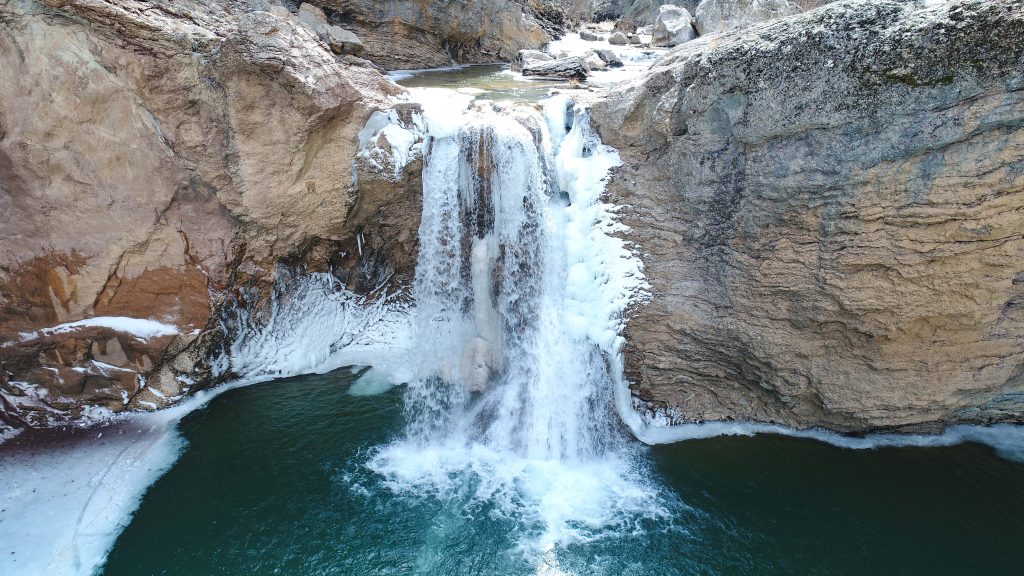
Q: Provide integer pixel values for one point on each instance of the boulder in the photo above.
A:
(594, 62)
(571, 68)
(590, 36)
(340, 41)
(634, 39)
(673, 27)
(721, 15)
(525, 56)
(625, 26)
(618, 39)
(642, 12)
(609, 57)
(311, 16)
(831, 219)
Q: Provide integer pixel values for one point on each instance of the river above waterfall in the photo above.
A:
(273, 480)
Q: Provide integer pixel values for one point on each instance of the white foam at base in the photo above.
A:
(555, 502)
(371, 382)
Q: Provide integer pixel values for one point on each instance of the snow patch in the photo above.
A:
(403, 141)
(141, 328)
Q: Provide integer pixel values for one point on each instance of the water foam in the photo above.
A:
(520, 287)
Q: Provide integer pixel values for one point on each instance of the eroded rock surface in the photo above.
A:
(162, 160)
(573, 67)
(672, 27)
(720, 15)
(641, 12)
(831, 212)
(407, 34)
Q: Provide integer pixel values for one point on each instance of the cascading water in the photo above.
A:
(519, 292)
(490, 290)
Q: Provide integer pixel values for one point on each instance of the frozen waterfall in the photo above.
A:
(520, 289)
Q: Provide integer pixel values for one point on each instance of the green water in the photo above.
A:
(273, 482)
(494, 83)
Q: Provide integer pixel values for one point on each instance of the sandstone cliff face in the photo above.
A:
(831, 212)
(407, 34)
(157, 159)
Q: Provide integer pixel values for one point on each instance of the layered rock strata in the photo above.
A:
(831, 212)
(407, 34)
(165, 161)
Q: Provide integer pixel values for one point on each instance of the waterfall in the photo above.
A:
(490, 292)
(520, 289)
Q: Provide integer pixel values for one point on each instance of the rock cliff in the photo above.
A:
(407, 34)
(165, 160)
(831, 212)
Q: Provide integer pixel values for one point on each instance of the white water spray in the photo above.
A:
(519, 291)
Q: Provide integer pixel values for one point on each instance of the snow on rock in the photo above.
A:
(319, 327)
(141, 328)
(388, 141)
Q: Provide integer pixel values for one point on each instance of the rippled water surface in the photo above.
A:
(486, 81)
(274, 480)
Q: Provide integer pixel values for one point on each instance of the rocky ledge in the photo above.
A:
(168, 160)
(831, 212)
(406, 34)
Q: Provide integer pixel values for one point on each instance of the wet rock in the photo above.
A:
(673, 27)
(829, 211)
(525, 56)
(721, 15)
(618, 39)
(594, 62)
(609, 57)
(589, 36)
(571, 68)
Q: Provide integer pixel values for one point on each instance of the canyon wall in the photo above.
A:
(831, 212)
(406, 34)
(168, 160)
